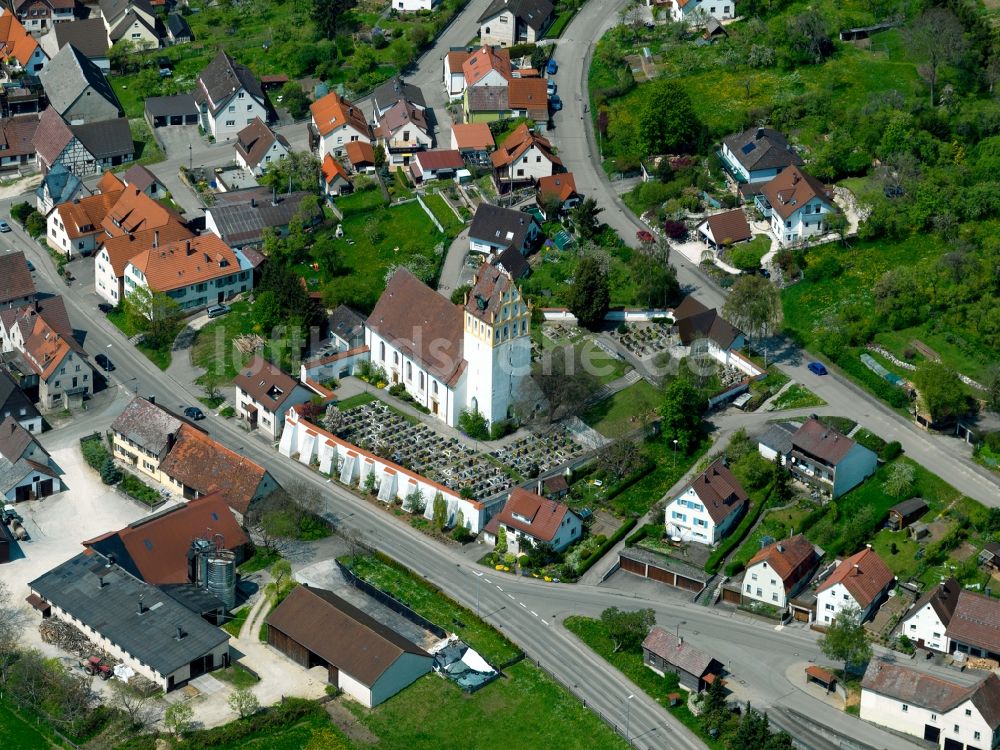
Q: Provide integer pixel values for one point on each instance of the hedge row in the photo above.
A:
(94, 453)
(732, 541)
(608, 544)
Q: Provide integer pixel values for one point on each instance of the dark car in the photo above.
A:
(105, 308)
(552, 68)
(104, 363)
(31, 266)
(194, 413)
(555, 103)
(817, 368)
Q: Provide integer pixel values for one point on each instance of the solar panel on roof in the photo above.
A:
(215, 516)
(748, 148)
(148, 544)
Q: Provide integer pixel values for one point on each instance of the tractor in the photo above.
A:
(94, 665)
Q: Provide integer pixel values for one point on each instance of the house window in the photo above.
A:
(788, 224)
(421, 381)
(753, 576)
(905, 708)
(520, 173)
(829, 607)
(845, 597)
(748, 588)
(774, 597)
(232, 108)
(395, 358)
(955, 730)
(937, 635)
(230, 123)
(759, 592)
(381, 350)
(968, 712)
(975, 735)
(239, 95)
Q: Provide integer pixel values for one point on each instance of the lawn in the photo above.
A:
(636, 501)
(965, 356)
(213, 349)
(777, 524)
(594, 635)
(236, 676)
(443, 213)
(617, 415)
(433, 713)
(359, 399)
(557, 27)
(549, 283)
(234, 626)
(259, 561)
(797, 397)
(159, 356)
(19, 733)
(430, 603)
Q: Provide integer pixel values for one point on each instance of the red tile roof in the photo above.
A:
(559, 187)
(531, 95)
(334, 111)
(484, 60)
(125, 247)
(15, 41)
(864, 575)
(15, 278)
(544, 516)
(475, 136)
(265, 383)
(729, 226)
(332, 168)
(359, 153)
(84, 216)
(909, 686)
(135, 211)
(439, 159)
(788, 558)
(520, 141)
(792, 189)
(190, 261)
(676, 652)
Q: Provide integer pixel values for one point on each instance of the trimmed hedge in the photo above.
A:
(602, 550)
(643, 532)
(139, 490)
(732, 541)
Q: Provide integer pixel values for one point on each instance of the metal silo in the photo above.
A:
(221, 576)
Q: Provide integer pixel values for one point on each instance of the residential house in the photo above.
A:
(486, 104)
(334, 177)
(75, 227)
(708, 508)
(178, 30)
(335, 123)
(524, 157)
(140, 178)
(903, 514)
(395, 90)
(347, 328)
(77, 89)
(84, 150)
(796, 204)
(54, 356)
(17, 147)
(529, 517)
(240, 217)
(27, 471)
(142, 435)
(14, 403)
(725, 229)
(559, 191)
(257, 146)
(136, 623)
(361, 156)
(59, 185)
(158, 549)
(511, 262)
(264, 393)
(366, 659)
(230, 97)
(165, 111)
(695, 322)
(950, 619)
(20, 51)
(412, 6)
(17, 287)
(779, 571)
(529, 98)
(474, 141)
(89, 37)
(38, 15)
(494, 229)
(758, 155)
(454, 76)
(453, 357)
(487, 67)
(195, 272)
(401, 132)
(436, 165)
(135, 21)
(776, 441)
(701, 11)
(825, 459)
(664, 652)
(859, 582)
(950, 715)
(510, 22)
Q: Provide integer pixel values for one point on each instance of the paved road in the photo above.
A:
(574, 137)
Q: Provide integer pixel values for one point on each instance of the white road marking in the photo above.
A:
(522, 604)
(510, 596)
(498, 586)
(779, 628)
(545, 622)
(487, 580)
(533, 612)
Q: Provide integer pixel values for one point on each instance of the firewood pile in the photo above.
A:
(70, 639)
(249, 343)
(976, 662)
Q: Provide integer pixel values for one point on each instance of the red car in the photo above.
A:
(643, 236)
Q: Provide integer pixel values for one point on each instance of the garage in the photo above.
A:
(674, 573)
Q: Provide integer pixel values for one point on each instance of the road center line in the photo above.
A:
(498, 586)
(510, 596)
(533, 612)
(522, 604)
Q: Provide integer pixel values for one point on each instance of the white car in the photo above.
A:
(551, 87)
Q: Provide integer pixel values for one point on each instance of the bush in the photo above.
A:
(110, 473)
(892, 451)
(136, 488)
(501, 429)
(474, 424)
(94, 453)
(35, 225)
(992, 442)
(610, 542)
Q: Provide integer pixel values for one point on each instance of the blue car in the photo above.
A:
(555, 103)
(552, 68)
(816, 368)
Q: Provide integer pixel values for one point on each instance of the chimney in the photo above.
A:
(759, 135)
(868, 546)
(139, 608)
(180, 633)
(539, 491)
(253, 203)
(152, 399)
(781, 548)
(100, 581)
(795, 178)
(187, 248)
(857, 567)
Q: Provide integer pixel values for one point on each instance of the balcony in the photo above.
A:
(763, 205)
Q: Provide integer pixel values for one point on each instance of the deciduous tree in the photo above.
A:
(590, 296)
(753, 306)
(899, 483)
(564, 382)
(244, 702)
(177, 718)
(330, 16)
(681, 411)
(656, 280)
(937, 38)
(846, 640)
(666, 119)
(941, 393)
(627, 629)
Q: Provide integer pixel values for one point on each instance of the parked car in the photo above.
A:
(552, 68)
(105, 308)
(555, 103)
(551, 87)
(643, 236)
(31, 266)
(104, 363)
(216, 310)
(194, 413)
(817, 368)
(4, 226)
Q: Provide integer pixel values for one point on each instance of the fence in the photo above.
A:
(429, 213)
(391, 602)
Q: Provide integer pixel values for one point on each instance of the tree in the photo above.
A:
(474, 424)
(122, 56)
(584, 217)
(845, 639)
(941, 393)
(808, 37)
(153, 312)
(656, 280)
(330, 15)
(244, 702)
(273, 522)
(627, 629)
(299, 170)
(782, 491)
(992, 384)
(294, 99)
(415, 502)
(666, 119)
(899, 483)
(13, 621)
(715, 698)
(590, 295)
(681, 412)
(500, 548)
(620, 458)
(564, 382)
(753, 306)
(440, 511)
(177, 718)
(281, 573)
(458, 296)
(937, 38)
(753, 730)
(138, 706)
(110, 473)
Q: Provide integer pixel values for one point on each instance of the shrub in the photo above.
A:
(993, 442)
(110, 473)
(675, 230)
(94, 453)
(139, 490)
(474, 424)
(893, 450)
(501, 429)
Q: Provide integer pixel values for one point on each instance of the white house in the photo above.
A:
(859, 582)
(27, 471)
(410, 6)
(797, 205)
(758, 154)
(524, 157)
(257, 146)
(21, 51)
(776, 441)
(708, 508)
(264, 393)
(510, 22)
(334, 178)
(699, 11)
(950, 619)
(403, 131)
(531, 517)
(453, 358)
(829, 461)
(454, 76)
(779, 571)
(335, 123)
(487, 67)
(949, 715)
(494, 229)
(725, 229)
(230, 97)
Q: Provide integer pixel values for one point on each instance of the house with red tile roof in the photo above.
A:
(335, 123)
(474, 141)
(951, 619)
(708, 508)
(859, 582)
(779, 571)
(438, 164)
(257, 146)
(336, 179)
(454, 75)
(75, 227)
(264, 392)
(524, 157)
(58, 361)
(725, 229)
(402, 132)
(831, 462)
(797, 205)
(19, 49)
(529, 517)
(361, 156)
(557, 190)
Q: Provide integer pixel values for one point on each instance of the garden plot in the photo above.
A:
(646, 339)
(533, 455)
